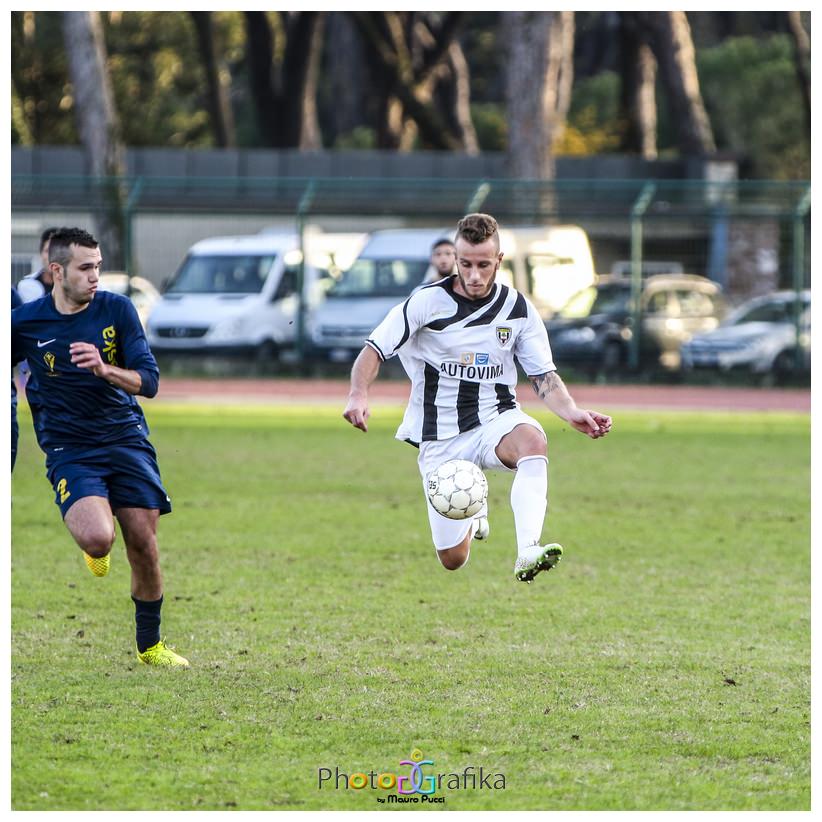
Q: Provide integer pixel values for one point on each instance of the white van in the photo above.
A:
(239, 294)
(548, 265)
(390, 266)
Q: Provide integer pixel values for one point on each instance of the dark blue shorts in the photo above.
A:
(127, 475)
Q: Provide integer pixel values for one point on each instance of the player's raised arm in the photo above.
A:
(363, 373)
(552, 391)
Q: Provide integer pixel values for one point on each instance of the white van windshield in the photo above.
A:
(380, 278)
(222, 274)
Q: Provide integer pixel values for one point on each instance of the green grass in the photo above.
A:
(301, 583)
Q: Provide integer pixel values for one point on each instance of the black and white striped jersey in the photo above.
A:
(460, 355)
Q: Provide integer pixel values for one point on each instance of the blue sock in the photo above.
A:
(147, 617)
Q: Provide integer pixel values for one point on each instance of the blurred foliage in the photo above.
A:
(754, 102)
(491, 125)
(748, 83)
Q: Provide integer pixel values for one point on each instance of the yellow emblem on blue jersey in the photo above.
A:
(110, 345)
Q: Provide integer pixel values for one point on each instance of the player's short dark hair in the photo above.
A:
(477, 228)
(442, 241)
(63, 239)
(46, 236)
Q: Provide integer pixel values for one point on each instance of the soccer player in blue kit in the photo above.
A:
(89, 358)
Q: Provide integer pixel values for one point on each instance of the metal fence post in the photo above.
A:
(637, 213)
(302, 209)
(128, 220)
(801, 211)
(478, 197)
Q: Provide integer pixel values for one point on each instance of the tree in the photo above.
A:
(97, 123)
(284, 90)
(802, 55)
(219, 105)
(638, 90)
(538, 88)
(407, 53)
(669, 37)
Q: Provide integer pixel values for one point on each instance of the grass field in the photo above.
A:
(664, 665)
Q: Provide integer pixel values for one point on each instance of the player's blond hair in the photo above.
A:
(477, 228)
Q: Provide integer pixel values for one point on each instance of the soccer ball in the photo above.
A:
(457, 489)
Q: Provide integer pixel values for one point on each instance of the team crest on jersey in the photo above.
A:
(50, 359)
(503, 334)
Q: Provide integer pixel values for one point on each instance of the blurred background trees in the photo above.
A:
(650, 83)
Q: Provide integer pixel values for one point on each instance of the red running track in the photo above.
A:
(600, 397)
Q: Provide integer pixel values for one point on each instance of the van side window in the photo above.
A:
(288, 283)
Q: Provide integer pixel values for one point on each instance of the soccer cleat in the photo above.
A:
(482, 529)
(98, 565)
(536, 559)
(161, 654)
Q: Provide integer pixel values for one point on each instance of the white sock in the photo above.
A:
(529, 500)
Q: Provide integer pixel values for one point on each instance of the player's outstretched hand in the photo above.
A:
(87, 355)
(591, 423)
(357, 413)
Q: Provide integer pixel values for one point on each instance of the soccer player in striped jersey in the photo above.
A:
(459, 340)
(89, 359)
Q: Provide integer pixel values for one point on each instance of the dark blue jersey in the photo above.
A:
(71, 407)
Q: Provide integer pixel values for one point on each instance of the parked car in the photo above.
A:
(595, 327)
(141, 291)
(390, 266)
(547, 264)
(759, 336)
(239, 295)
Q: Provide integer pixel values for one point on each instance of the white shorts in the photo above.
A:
(478, 446)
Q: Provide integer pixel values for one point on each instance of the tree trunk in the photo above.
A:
(408, 68)
(638, 92)
(802, 57)
(529, 153)
(219, 105)
(310, 135)
(98, 125)
(346, 80)
(538, 88)
(670, 39)
(302, 50)
(285, 100)
(260, 54)
(462, 99)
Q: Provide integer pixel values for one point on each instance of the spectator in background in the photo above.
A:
(35, 285)
(443, 257)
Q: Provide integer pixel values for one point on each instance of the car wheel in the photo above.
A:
(267, 351)
(612, 358)
(783, 367)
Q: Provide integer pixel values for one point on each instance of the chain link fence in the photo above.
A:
(750, 238)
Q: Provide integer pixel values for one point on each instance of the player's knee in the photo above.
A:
(97, 543)
(452, 559)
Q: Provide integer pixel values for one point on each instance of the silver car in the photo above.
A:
(759, 336)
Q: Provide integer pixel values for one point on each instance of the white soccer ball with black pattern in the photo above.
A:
(457, 489)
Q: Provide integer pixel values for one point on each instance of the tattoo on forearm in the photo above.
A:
(544, 384)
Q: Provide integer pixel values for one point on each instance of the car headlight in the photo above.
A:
(578, 335)
(226, 330)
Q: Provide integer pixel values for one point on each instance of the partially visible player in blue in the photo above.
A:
(89, 357)
(15, 302)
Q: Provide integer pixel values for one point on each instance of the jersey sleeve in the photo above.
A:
(532, 348)
(137, 355)
(17, 352)
(399, 325)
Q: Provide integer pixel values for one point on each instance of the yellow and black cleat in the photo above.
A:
(98, 565)
(161, 654)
